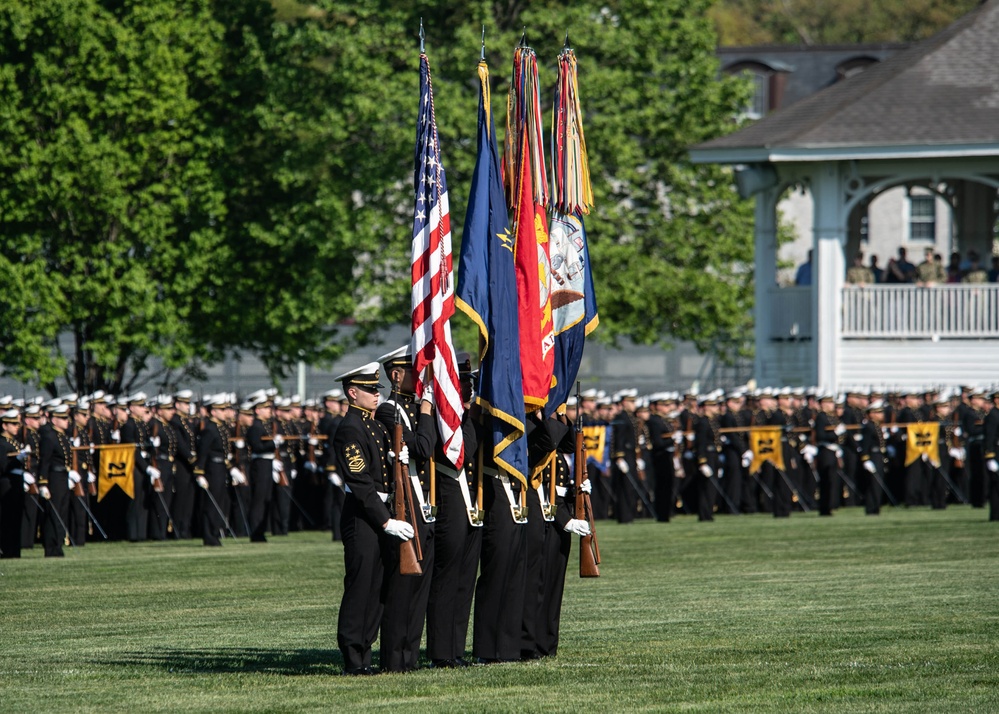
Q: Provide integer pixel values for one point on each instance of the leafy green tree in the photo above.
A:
(817, 22)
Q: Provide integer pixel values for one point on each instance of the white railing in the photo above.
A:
(910, 312)
(791, 313)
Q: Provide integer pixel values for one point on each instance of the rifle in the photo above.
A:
(955, 441)
(91, 487)
(410, 552)
(589, 551)
(282, 477)
(77, 487)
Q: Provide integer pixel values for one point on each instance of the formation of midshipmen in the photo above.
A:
(668, 453)
(271, 464)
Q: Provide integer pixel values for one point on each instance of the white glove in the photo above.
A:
(400, 529)
(203, 482)
(839, 430)
(276, 476)
(958, 431)
(92, 450)
(240, 444)
(311, 466)
(677, 437)
(580, 528)
(238, 477)
(992, 465)
(957, 453)
(640, 463)
(29, 479)
(293, 474)
(313, 441)
(154, 473)
(894, 430)
(277, 465)
(335, 479)
(688, 454)
(74, 478)
(622, 466)
(925, 457)
(869, 467)
(76, 441)
(278, 440)
(155, 441)
(747, 458)
(91, 477)
(403, 455)
(706, 470)
(44, 493)
(116, 435)
(27, 487)
(586, 486)
(839, 452)
(428, 393)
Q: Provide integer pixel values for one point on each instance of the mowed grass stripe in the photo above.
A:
(896, 613)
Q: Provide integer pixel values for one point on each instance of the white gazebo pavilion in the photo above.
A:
(927, 117)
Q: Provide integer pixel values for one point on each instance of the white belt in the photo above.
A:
(561, 491)
(505, 480)
(418, 490)
(269, 457)
(465, 495)
(544, 503)
(383, 496)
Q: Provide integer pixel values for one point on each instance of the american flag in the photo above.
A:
(433, 279)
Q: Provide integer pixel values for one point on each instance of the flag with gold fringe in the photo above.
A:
(922, 439)
(766, 446)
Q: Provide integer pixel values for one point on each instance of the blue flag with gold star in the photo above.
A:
(487, 293)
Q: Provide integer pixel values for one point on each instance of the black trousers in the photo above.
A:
(405, 598)
(183, 501)
(456, 550)
(625, 496)
(872, 489)
(29, 523)
(212, 523)
(239, 509)
(161, 511)
(261, 489)
(136, 512)
(532, 622)
(499, 592)
(12, 502)
(78, 522)
(56, 513)
(827, 467)
(558, 545)
(364, 556)
(280, 509)
(662, 464)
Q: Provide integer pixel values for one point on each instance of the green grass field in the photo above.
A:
(888, 614)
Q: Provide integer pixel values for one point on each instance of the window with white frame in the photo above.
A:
(923, 218)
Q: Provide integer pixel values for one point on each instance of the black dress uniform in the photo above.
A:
(874, 451)
(734, 445)
(663, 450)
(55, 460)
(12, 496)
(212, 464)
(164, 448)
(707, 442)
(136, 432)
(281, 491)
(625, 432)
(406, 596)
(827, 461)
(916, 473)
(457, 543)
(331, 481)
(29, 524)
(360, 449)
(499, 591)
(261, 477)
(972, 426)
(183, 483)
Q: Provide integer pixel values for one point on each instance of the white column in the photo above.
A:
(765, 267)
(828, 272)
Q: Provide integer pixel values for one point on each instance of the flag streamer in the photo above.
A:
(572, 193)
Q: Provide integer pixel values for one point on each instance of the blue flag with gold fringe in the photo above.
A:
(487, 293)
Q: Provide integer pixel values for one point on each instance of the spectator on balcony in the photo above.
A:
(954, 268)
(900, 270)
(931, 271)
(804, 274)
(976, 273)
(858, 273)
(879, 274)
(994, 270)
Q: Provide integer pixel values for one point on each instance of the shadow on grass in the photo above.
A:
(234, 659)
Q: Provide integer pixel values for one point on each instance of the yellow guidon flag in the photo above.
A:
(766, 446)
(922, 437)
(117, 464)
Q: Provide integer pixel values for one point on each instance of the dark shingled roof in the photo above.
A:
(942, 91)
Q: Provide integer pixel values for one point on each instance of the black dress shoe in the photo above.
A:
(462, 662)
(485, 660)
(445, 664)
(359, 672)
